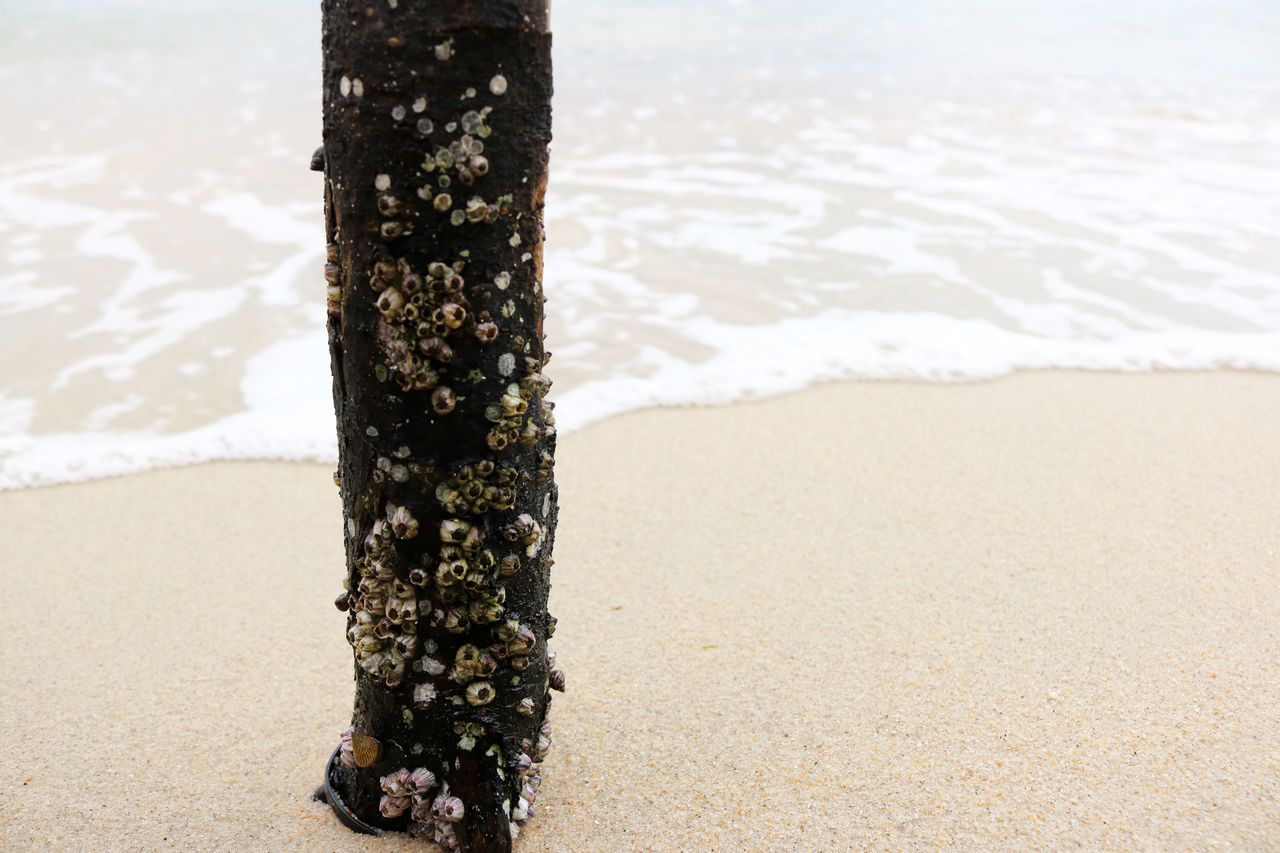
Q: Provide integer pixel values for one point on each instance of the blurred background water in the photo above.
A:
(745, 198)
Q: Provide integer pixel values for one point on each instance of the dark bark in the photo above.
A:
(436, 123)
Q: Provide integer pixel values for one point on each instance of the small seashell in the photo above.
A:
(365, 749)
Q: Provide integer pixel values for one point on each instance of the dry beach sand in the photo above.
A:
(1036, 613)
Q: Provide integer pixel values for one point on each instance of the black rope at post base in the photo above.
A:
(327, 793)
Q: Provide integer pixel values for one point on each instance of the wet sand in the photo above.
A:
(1036, 613)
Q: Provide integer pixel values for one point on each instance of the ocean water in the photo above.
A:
(746, 197)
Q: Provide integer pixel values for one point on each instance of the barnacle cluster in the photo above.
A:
(465, 583)
(332, 278)
(432, 811)
(478, 488)
(384, 609)
(397, 220)
(458, 165)
(529, 775)
(509, 415)
(526, 531)
(419, 316)
(546, 465)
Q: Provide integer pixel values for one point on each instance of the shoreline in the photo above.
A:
(114, 454)
(1026, 612)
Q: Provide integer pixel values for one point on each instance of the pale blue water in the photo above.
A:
(746, 197)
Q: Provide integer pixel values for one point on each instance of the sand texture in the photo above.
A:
(1038, 613)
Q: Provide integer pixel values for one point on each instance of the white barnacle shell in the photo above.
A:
(424, 694)
(346, 753)
(421, 780)
(402, 522)
(480, 693)
(395, 784)
(449, 809)
(401, 610)
(393, 806)
(454, 530)
(522, 642)
(431, 666)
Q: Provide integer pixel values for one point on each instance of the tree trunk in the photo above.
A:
(436, 123)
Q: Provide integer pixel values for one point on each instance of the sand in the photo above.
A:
(1036, 613)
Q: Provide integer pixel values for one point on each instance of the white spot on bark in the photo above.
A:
(382, 182)
(444, 50)
(498, 85)
(372, 432)
(515, 239)
(397, 112)
(502, 280)
(431, 666)
(419, 105)
(344, 85)
(506, 363)
(357, 87)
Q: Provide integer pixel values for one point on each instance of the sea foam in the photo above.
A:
(937, 195)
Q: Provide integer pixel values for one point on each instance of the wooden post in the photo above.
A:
(436, 123)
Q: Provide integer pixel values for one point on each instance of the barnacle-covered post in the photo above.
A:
(436, 123)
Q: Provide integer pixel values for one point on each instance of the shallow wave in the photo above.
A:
(929, 197)
(288, 411)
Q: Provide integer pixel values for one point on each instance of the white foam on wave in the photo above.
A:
(755, 362)
(289, 414)
(978, 207)
(278, 224)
